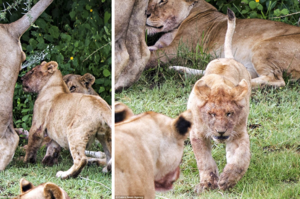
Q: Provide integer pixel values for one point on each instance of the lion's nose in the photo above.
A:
(221, 132)
(148, 15)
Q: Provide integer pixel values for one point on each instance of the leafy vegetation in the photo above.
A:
(263, 9)
(76, 34)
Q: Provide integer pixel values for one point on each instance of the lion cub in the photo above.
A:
(72, 120)
(42, 191)
(220, 105)
(148, 151)
(80, 84)
(76, 84)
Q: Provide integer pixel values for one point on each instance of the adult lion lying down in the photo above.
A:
(148, 151)
(266, 48)
(220, 105)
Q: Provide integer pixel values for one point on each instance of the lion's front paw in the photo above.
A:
(62, 175)
(227, 181)
(208, 181)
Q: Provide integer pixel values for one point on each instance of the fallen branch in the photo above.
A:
(95, 51)
(286, 15)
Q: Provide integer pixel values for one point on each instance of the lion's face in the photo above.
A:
(36, 78)
(222, 109)
(166, 15)
(221, 118)
(80, 84)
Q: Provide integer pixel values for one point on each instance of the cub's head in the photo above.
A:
(167, 15)
(43, 191)
(174, 131)
(80, 84)
(222, 108)
(122, 112)
(37, 78)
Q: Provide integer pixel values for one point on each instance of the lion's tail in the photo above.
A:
(229, 34)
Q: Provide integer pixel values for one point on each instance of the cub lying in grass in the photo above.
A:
(72, 120)
(220, 105)
(148, 151)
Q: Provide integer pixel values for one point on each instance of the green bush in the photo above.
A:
(76, 34)
(263, 9)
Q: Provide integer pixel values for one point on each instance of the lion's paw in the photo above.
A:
(49, 161)
(62, 175)
(227, 181)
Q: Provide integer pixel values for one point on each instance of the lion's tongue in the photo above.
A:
(167, 181)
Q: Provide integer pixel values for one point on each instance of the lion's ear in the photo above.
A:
(202, 90)
(183, 123)
(66, 77)
(52, 66)
(25, 185)
(88, 80)
(52, 191)
(240, 91)
(122, 112)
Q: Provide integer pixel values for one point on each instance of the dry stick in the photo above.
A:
(94, 182)
(95, 51)
(286, 15)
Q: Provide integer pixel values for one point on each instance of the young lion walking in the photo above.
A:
(220, 105)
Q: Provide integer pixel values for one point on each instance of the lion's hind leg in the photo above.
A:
(78, 139)
(105, 140)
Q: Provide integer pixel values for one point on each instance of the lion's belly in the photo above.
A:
(59, 135)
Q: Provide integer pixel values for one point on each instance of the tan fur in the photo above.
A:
(131, 52)
(80, 84)
(152, 163)
(11, 58)
(266, 48)
(43, 191)
(220, 105)
(72, 120)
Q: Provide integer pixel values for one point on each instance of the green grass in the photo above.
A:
(37, 174)
(273, 126)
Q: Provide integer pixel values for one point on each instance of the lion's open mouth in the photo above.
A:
(221, 137)
(159, 27)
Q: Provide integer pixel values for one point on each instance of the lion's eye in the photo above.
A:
(212, 114)
(72, 88)
(229, 114)
(162, 1)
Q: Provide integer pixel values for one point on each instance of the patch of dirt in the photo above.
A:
(254, 126)
(271, 149)
(187, 142)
